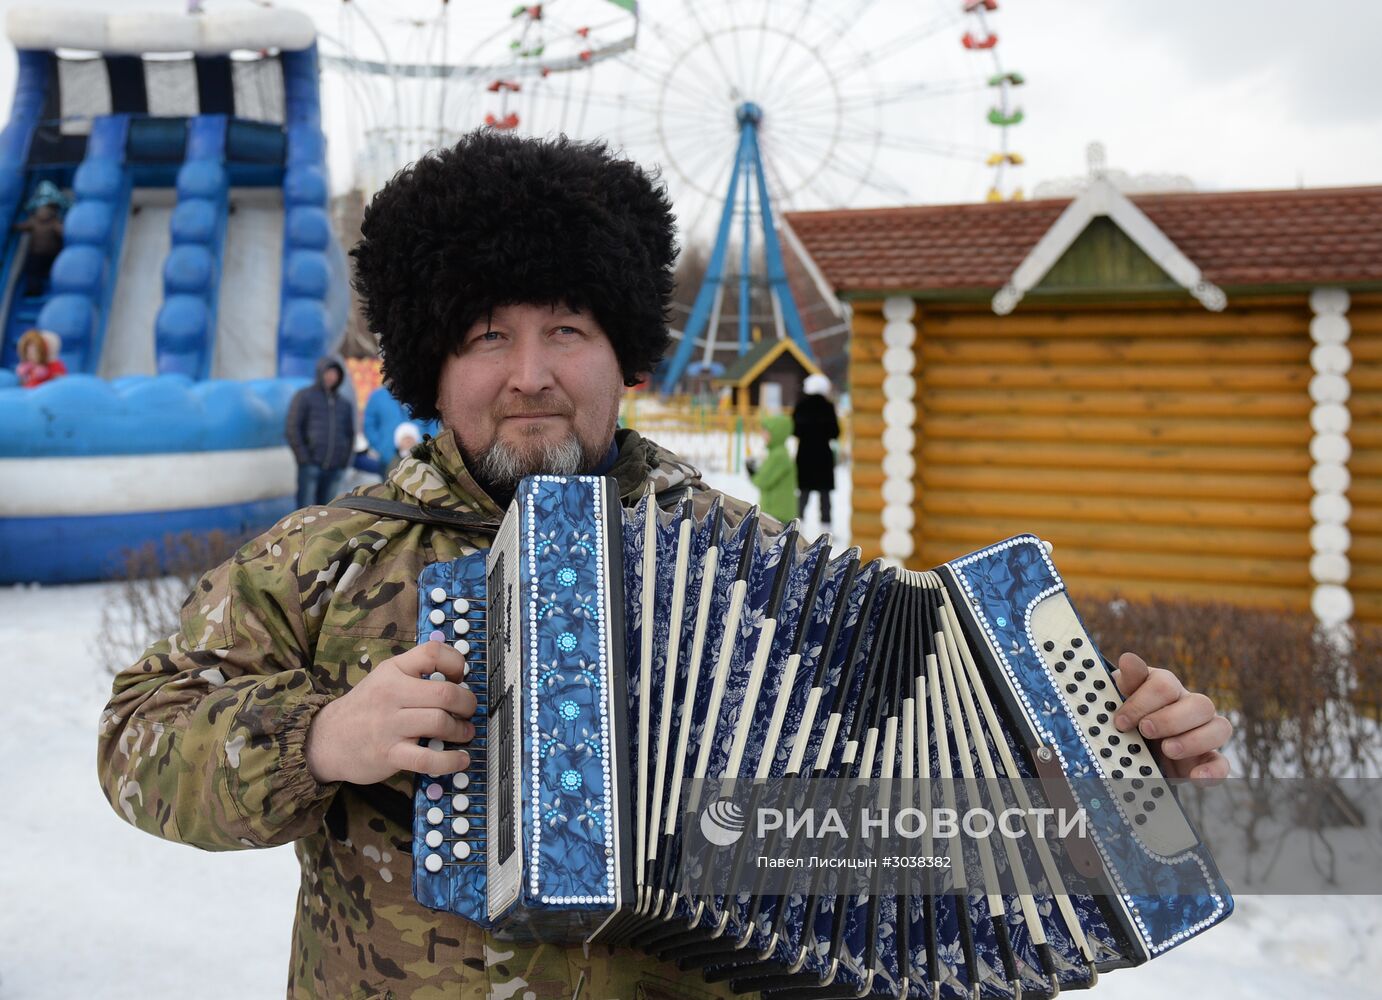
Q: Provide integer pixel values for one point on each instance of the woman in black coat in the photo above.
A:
(815, 427)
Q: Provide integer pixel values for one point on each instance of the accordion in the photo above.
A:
(648, 678)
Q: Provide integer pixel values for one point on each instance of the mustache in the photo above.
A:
(534, 406)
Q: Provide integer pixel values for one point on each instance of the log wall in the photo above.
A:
(1161, 447)
(1365, 466)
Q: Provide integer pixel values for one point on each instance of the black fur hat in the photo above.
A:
(499, 219)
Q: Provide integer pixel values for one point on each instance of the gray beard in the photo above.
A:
(501, 466)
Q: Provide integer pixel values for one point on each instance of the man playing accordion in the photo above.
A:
(516, 286)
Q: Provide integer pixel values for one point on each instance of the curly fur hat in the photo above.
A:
(500, 219)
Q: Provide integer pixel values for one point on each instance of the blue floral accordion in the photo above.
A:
(653, 681)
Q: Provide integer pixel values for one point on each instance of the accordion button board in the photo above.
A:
(449, 831)
(626, 660)
(1072, 660)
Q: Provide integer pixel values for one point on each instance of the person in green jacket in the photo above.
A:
(776, 478)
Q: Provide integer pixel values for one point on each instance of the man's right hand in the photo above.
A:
(372, 732)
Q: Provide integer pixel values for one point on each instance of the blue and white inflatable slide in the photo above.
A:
(199, 284)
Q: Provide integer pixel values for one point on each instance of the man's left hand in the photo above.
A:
(1186, 723)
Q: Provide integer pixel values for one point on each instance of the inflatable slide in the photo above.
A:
(197, 286)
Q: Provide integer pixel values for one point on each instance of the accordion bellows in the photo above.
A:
(625, 661)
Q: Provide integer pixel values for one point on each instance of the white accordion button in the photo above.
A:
(461, 781)
(460, 826)
(461, 605)
(433, 863)
(461, 626)
(436, 744)
(461, 850)
(436, 616)
(435, 816)
(460, 803)
(438, 595)
(434, 839)
(436, 675)
(461, 646)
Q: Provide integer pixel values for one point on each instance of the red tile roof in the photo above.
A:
(1313, 236)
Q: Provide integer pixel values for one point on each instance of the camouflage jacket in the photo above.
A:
(203, 743)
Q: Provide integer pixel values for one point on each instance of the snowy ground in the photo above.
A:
(94, 909)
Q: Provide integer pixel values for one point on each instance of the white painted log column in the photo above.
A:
(1330, 510)
(899, 428)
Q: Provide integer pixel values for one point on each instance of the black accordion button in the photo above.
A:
(1087, 664)
(1140, 819)
(1146, 770)
(1128, 796)
(1106, 753)
(1071, 688)
(1077, 642)
(1134, 748)
(1113, 738)
(1068, 654)
(1094, 730)
(1125, 761)
(1102, 717)
(1079, 675)
(1158, 791)
(1048, 645)
(1138, 783)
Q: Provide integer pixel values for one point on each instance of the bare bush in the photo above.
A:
(1298, 697)
(157, 582)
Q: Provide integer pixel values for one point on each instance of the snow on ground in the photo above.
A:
(91, 906)
(94, 908)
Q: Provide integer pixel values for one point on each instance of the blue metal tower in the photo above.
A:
(747, 183)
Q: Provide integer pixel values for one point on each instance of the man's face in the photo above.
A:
(331, 378)
(532, 389)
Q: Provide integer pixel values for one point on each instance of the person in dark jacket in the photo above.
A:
(321, 432)
(45, 243)
(815, 427)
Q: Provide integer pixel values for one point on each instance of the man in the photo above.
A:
(816, 427)
(517, 286)
(320, 428)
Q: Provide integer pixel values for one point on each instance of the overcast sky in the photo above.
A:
(1233, 94)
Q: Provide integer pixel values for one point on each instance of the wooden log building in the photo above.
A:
(1183, 392)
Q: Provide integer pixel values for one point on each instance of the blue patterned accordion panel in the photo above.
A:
(648, 677)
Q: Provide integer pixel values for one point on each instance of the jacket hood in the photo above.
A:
(779, 428)
(326, 363)
(435, 473)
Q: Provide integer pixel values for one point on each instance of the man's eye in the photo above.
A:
(568, 329)
(490, 336)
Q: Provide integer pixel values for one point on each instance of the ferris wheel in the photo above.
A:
(754, 108)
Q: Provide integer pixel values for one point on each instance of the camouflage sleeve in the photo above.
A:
(203, 739)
